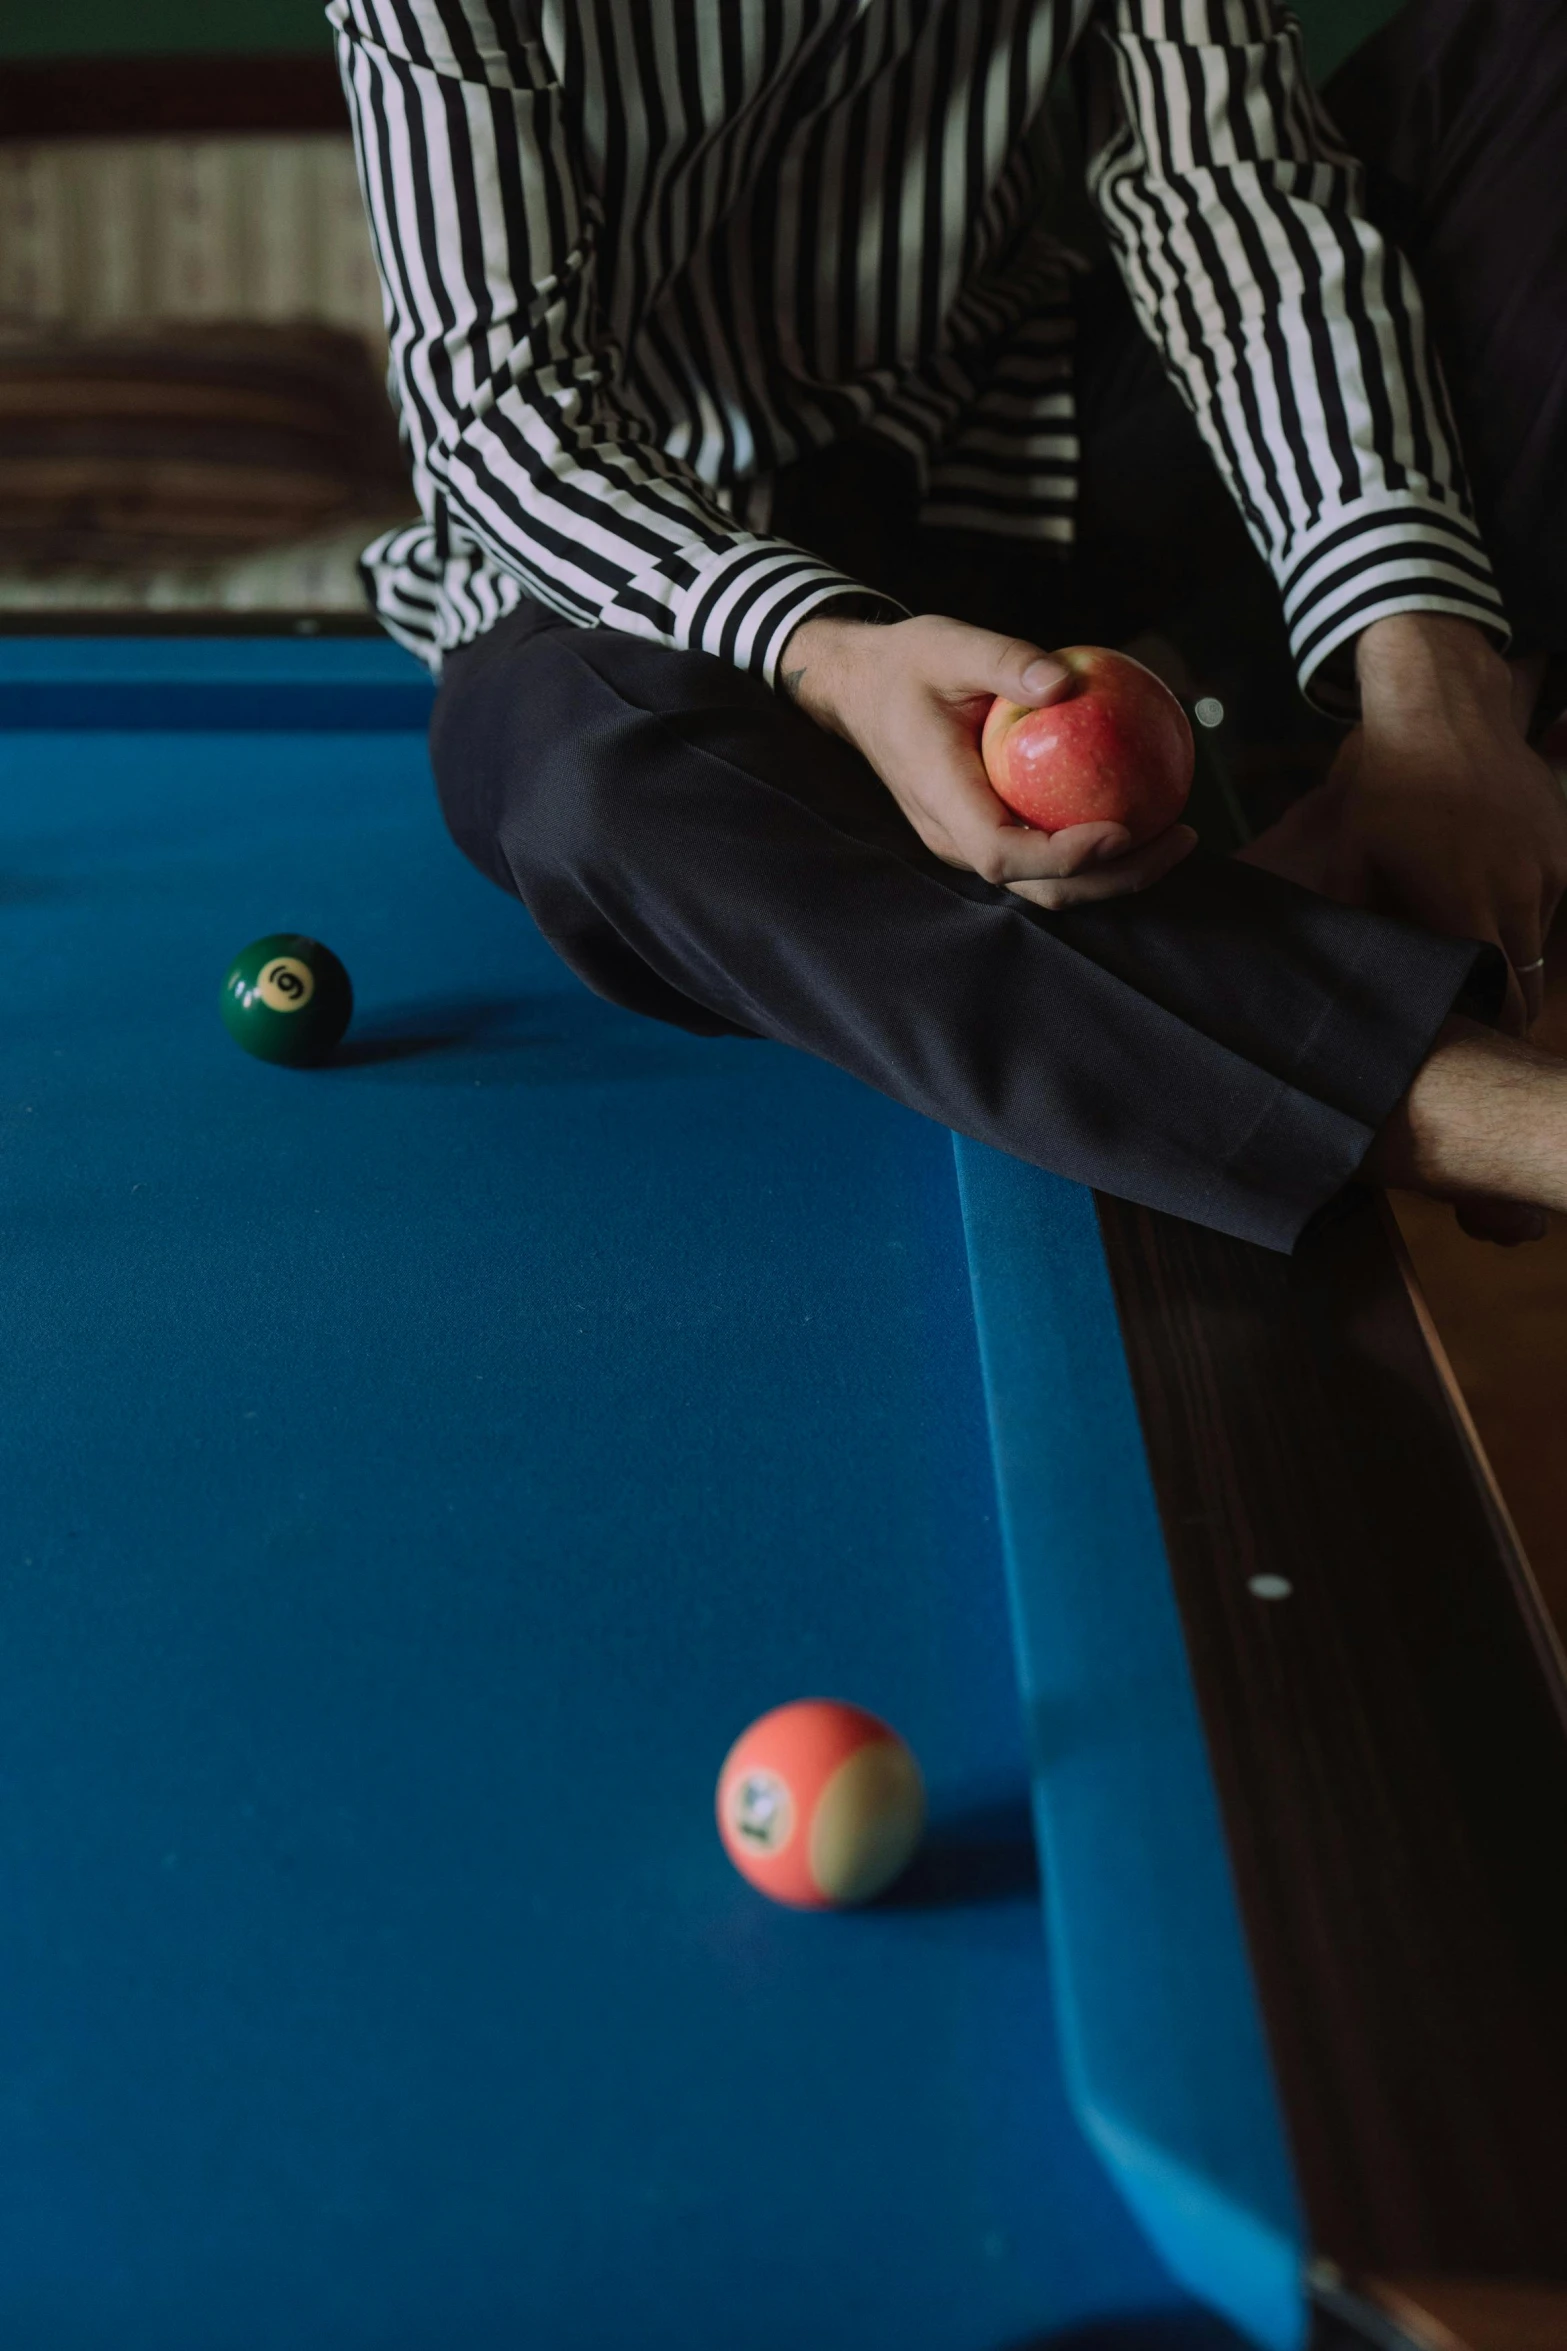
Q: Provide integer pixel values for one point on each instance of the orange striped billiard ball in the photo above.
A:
(820, 1805)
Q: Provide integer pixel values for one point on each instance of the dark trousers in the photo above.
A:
(1224, 1046)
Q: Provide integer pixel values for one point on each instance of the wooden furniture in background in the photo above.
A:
(144, 97)
(143, 193)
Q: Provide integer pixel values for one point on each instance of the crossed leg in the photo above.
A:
(1226, 1046)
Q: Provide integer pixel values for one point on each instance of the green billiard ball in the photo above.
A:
(287, 998)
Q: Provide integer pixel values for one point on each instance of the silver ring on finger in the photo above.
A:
(1523, 969)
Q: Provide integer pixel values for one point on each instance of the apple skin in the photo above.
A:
(1117, 748)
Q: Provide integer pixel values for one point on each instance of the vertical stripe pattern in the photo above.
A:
(639, 254)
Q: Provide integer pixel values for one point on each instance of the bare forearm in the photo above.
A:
(814, 660)
(1415, 667)
(1486, 1118)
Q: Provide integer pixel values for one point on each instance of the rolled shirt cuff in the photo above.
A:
(1356, 568)
(741, 602)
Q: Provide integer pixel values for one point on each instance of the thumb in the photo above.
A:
(1026, 674)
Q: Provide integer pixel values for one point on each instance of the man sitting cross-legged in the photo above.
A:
(763, 432)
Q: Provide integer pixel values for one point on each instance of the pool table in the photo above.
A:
(417, 1471)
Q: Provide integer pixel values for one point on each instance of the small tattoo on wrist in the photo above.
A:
(791, 683)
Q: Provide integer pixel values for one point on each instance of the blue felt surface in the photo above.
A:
(1164, 2041)
(331, 684)
(415, 1473)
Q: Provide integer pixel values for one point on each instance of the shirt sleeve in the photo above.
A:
(506, 376)
(1295, 333)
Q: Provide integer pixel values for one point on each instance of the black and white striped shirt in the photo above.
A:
(640, 254)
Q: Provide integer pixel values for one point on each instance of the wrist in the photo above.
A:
(814, 660)
(1415, 667)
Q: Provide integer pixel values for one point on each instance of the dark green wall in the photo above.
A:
(1334, 27)
(112, 28)
(116, 28)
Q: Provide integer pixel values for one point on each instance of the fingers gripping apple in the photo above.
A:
(1117, 747)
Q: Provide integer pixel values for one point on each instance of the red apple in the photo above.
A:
(1115, 748)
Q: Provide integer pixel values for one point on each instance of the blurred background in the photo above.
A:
(193, 428)
(192, 413)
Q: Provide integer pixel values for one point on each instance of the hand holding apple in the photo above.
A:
(1116, 748)
(911, 696)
